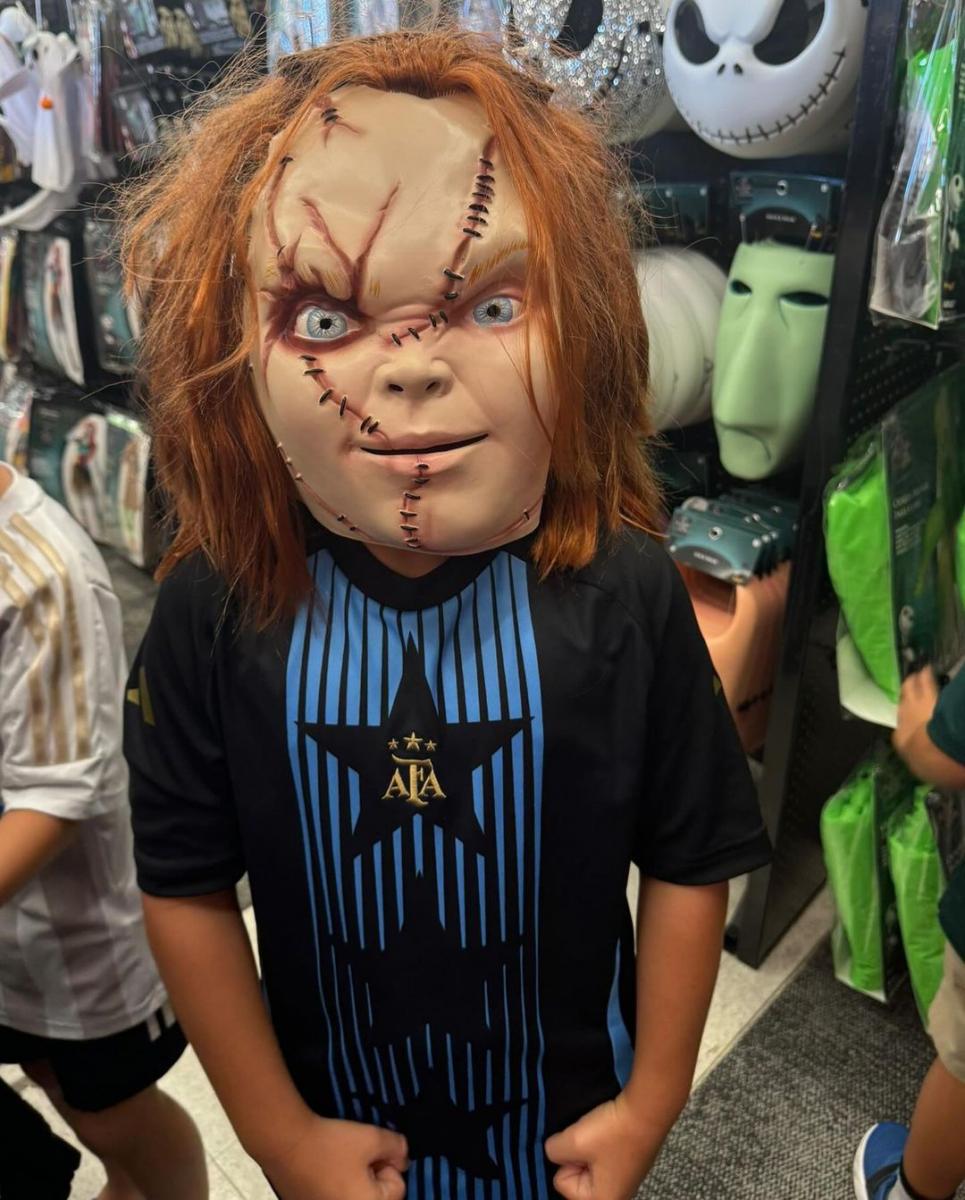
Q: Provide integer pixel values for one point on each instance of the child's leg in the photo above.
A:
(934, 1162)
(149, 1145)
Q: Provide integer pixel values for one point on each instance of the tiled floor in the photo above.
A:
(741, 995)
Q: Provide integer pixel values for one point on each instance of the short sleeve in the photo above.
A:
(62, 669)
(700, 821)
(947, 726)
(186, 837)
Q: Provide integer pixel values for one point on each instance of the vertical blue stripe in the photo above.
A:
(334, 798)
(467, 655)
(412, 1070)
(381, 1074)
(489, 1077)
(470, 1088)
(440, 874)
(358, 1033)
(368, 1003)
(355, 623)
(409, 621)
(481, 879)
(374, 636)
(450, 691)
(292, 692)
(395, 1077)
(431, 647)
(489, 1021)
(341, 1029)
(393, 644)
(444, 1179)
(518, 778)
(487, 637)
(379, 902)
(452, 1069)
(432, 1065)
(461, 890)
(336, 633)
(479, 797)
(397, 867)
(418, 833)
(499, 802)
(358, 902)
(354, 800)
(617, 1028)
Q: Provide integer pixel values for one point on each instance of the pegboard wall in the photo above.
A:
(866, 369)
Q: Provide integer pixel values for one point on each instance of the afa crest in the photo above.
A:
(414, 779)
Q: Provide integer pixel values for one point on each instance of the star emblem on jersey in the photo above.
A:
(415, 762)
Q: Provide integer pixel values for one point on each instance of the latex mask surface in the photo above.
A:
(757, 78)
(396, 366)
(769, 347)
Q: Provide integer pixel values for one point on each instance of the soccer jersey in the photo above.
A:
(74, 961)
(437, 786)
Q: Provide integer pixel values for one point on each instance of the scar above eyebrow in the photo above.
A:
(494, 260)
(354, 270)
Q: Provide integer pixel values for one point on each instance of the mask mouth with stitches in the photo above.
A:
(389, 259)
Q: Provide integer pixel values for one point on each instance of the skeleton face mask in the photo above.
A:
(769, 344)
(758, 78)
(596, 53)
(389, 256)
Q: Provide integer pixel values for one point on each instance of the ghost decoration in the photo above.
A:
(765, 78)
(597, 55)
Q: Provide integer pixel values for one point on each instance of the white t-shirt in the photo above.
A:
(74, 959)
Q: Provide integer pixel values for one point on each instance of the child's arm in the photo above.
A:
(920, 702)
(203, 952)
(606, 1154)
(28, 842)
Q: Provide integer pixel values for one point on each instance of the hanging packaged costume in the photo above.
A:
(461, 764)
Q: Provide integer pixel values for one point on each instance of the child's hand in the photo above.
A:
(604, 1156)
(342, 1160)
(919, 695)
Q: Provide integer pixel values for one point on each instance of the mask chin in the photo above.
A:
(769, 348)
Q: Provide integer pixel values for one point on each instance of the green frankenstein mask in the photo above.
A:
(768, 354)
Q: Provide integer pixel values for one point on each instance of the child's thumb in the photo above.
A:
(392, 1149)
(562, 1148)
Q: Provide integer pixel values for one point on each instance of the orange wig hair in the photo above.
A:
(185, 250)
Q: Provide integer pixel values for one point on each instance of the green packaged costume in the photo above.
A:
(917, 875)
(858, 538)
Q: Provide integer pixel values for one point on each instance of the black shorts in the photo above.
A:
(97, 1074)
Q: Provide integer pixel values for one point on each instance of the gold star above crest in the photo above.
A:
(430, 746)
(393, 745)
(413, 742)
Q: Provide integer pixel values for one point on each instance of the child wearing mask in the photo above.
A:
(416, 664)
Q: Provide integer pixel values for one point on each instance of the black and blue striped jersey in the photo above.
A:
(437, 786)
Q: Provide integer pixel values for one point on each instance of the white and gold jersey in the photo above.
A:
(74, 961)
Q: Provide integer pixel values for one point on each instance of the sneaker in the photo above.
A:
(878, 1160)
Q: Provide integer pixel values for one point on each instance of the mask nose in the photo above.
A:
(414, 376)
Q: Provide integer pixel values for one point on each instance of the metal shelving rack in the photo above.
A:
(811, 744)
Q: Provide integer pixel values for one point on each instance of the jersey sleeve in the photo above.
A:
(947, 726)
(700, 821)
(62, 669)
(186, 836)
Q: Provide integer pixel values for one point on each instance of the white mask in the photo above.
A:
(759, 78)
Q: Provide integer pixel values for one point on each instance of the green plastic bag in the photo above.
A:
(960, 558)
(858, 538)
(850, 841)
(919, 882)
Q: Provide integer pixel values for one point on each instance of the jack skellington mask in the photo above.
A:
(761, 78)
(597, 55)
